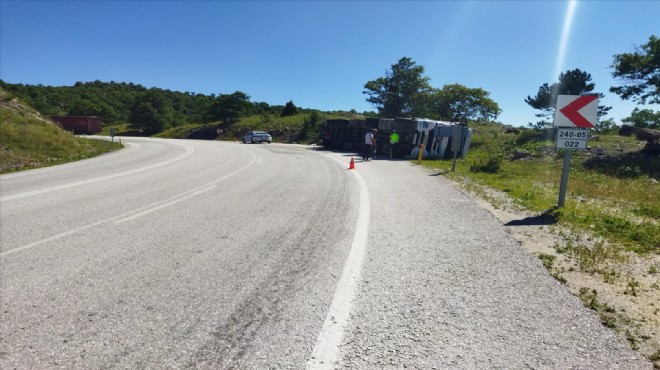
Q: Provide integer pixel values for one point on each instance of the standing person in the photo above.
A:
(394, 141)
(368, 142)
(374, 147)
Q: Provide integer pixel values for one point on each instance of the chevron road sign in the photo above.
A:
(574, 115)
(579, 111)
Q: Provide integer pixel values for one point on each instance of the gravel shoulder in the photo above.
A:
(623, 290)
(445, 285)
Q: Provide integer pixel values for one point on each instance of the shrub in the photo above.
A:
(492, 164)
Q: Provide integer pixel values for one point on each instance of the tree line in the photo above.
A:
(639, 76)
(404, 91)
(150, 110)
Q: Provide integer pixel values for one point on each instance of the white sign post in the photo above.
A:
(574, 116)
(456, 140)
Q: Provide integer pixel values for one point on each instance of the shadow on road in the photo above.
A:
(441, 172)
(545, 218)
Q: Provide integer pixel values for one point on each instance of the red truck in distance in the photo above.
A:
(79, 125)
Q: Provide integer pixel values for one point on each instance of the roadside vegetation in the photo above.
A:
(298, 128)
(303, 127)
(613, 189)
(31, 141)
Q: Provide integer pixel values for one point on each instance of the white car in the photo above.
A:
(257, 137)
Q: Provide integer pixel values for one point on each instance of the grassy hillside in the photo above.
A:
(29, 140)
(283, 129)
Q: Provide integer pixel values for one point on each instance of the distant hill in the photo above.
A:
(115, 102)
(110, 100)
(134, 110)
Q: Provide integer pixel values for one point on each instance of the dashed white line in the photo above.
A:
(128, 216)
(154, 209)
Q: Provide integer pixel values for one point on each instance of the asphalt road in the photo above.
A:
(206, 254)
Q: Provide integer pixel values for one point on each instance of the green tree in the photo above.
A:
(645, 118)
(259, 108)
(152, 113)
(575, 82)
(402, 92)
(458, 103)
(84, 108)
(290, 109)
(108, 113)
(229, 107)
(640, 71)
(606, 126)
(311, 126)
(145, 117)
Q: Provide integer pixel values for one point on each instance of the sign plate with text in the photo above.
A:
(572, 138)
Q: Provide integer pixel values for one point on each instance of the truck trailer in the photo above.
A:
(79, 125)
(436, 136)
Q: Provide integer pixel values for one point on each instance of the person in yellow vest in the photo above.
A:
(394, 141)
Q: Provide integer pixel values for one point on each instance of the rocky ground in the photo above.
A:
(622, 288)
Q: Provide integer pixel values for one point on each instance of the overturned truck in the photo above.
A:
(434, 138)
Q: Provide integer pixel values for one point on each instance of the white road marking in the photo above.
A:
(326, 350)
(131, 148)
(189, 151)
(127, 216)
(52, 238)
(154, 209)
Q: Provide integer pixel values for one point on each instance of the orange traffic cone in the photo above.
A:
(351, 166)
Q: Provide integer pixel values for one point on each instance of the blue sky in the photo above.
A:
(321, 53)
